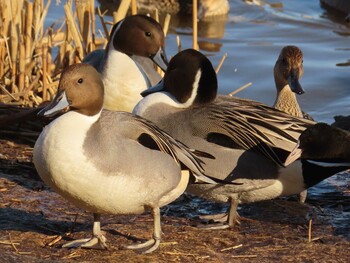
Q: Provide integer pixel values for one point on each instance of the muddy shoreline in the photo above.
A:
(35, 222)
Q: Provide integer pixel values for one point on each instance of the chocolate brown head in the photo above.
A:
(139, 35)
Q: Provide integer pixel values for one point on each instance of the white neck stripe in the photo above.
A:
(195, 85)
(167, 98)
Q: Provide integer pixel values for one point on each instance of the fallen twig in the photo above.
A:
(244, 256)
(230, 248)
(8, 243)
(72, 255)
(54, 241)
(12, 244)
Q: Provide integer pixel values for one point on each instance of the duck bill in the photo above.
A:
(294, 155)
(295, 85)
(58, 104)
(156, 88)
(160, 59)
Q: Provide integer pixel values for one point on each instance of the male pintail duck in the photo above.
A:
(287, 72)
(323, 143)
(109, 162)
(206, 8)
(126, 65)
(248, 139)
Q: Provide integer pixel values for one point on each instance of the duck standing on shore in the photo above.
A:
(287, 72)
(109, 162)
(249, 140)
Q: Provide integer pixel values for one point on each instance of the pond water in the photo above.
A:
(253, 35)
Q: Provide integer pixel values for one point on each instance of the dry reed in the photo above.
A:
(32, 54)
(32, 57)
(195, 25)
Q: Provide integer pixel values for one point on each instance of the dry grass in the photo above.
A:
(32, 56)
(271, 231)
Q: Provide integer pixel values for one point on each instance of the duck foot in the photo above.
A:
(96, 242)
(152, 244)
(146, 247)
(228, 220)
(216, 226)
(214, 218)
(221, 223)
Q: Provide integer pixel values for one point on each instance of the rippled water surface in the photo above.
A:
(253, 35)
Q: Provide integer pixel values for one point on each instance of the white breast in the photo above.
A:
(60, 162)
(123, 81)
(290, 181)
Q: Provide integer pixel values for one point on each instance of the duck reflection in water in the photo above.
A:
(212, 17)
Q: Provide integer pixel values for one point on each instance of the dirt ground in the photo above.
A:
(35, 222)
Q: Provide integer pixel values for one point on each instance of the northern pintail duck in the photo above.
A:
(248, 139)
(206, 8)
(287, 72)
(126, 65)
(323, 143)
(109, 162)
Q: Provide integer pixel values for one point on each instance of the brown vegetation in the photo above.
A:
(35, 222)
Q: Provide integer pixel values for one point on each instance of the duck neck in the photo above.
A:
(78, 118)
(286, 101)
(151, 100)
(124, 80)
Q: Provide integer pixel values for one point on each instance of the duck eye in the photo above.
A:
(148, 34)
(80, 81)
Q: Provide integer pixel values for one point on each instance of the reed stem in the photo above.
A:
(194, 25)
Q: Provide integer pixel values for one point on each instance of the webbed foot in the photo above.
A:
(146, 247)
(96, 242)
